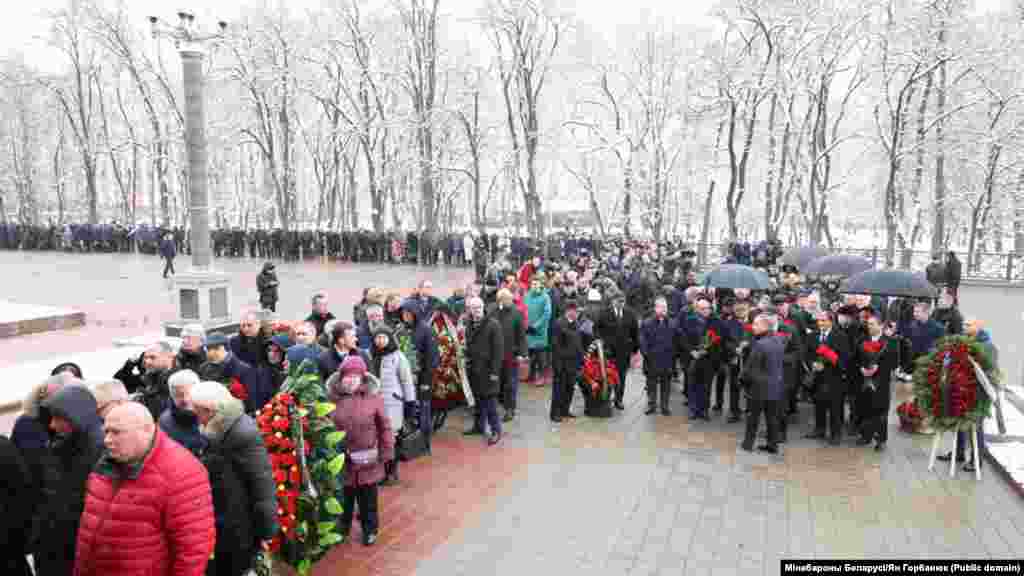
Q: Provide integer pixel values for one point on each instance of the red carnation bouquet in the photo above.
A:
(711, 340)
(238, 389)
(872, 351)
(827, 355)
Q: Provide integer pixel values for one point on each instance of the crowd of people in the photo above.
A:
(457, 248)
(161, 469)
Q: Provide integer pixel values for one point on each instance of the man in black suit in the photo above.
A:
(619, 328)
(762, 373)
(567, 346)
(828, 375)
(875, 369)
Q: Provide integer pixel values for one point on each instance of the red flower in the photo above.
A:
(238, 390)
(281, 424)
(873, 346)
(828, 354)
(714, 337)
(748, 328)
(788, 322)
(295, 476)
(275, 544)
(286, 399)
(782, 334)
(280, 475)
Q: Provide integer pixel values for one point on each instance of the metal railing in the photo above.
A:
(983, 266)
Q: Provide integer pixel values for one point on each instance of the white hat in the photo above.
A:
(593, 296)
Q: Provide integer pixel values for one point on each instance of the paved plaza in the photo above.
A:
(634, 494)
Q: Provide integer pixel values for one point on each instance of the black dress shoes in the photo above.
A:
(949, 456)
(768, 448)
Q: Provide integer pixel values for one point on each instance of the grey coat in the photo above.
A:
(763, 369)
(397, 387)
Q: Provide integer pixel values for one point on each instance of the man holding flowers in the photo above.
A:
(830, 351)
(876, 359)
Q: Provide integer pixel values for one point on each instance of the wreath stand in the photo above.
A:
(952, 460)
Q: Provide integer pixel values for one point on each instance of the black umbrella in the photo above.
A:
(844, 265)
(801, 257)
(890, 282)
(738, 276)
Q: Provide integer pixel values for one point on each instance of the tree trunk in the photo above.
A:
(769, 178)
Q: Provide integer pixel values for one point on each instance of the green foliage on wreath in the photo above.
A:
(929, 368)
(316, 531)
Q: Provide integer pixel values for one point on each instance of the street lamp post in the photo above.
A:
(202, 293)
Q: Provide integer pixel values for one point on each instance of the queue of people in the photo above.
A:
(166, 457)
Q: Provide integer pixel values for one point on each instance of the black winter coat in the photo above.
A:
(16, 507)
(484, 351)
(953, 271)
(658, 343)
(833, 378)
(154, 393)
(186, 360)
(567, 346)
(319, 321)
(258, 390)
(763, 369)
(242, 482)
(330, 360)
(266, 284)
(621, 336)
(65, 471)
(513, 329)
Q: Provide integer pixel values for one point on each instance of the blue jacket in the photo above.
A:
(923, 336)
(422, 338)
(732, 334)
(763, 370)
(183, 427)
(658, 344)
(167, 249)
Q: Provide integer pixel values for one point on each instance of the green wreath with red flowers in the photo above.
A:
(946, 384)
(307, 482)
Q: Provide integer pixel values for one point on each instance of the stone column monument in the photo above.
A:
(202, 294)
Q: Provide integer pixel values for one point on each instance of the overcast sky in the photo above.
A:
(24, 25)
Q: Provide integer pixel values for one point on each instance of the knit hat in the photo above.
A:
(352, 365)
(216, 339)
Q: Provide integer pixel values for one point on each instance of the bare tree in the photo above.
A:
(77, 94)
(526, 37)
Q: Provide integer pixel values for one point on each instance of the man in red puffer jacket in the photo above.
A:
(148, 506)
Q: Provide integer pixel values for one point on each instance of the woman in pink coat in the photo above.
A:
(369, 442)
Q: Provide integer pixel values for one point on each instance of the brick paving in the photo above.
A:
(631, 495)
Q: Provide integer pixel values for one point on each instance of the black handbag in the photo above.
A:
(411, 442)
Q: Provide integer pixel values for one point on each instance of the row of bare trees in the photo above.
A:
(806, 120)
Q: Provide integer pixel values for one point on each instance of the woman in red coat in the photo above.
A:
(369, 442)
